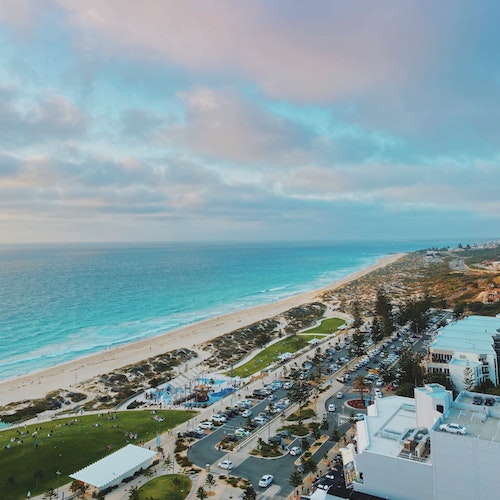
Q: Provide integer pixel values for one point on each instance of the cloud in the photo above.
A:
(221, 124)
(49, 117)
(322, 51)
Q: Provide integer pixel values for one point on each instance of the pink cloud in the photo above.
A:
(222, 124)
(325, 51)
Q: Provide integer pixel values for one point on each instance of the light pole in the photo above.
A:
(58, 473)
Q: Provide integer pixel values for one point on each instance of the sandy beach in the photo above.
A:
(65, 376)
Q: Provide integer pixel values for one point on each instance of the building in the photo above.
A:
(472, 343)
(113, 469)
(402, 453)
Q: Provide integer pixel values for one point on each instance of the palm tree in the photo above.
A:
(360, 385)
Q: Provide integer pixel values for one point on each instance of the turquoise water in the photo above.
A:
(62, 302)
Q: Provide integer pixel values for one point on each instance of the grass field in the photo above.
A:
(171, 487)
(71, 446)
(327, 326)
(270, 354)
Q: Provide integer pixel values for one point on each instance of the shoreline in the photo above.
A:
(67, 375)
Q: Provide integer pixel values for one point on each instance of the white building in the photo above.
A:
(402, 454)
(473, 342)
(114, 468)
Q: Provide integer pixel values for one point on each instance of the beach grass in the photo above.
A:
(327, 326)
(70, 444)
(269, 355)
(171, 487)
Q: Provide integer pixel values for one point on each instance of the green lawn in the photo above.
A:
(270, 354)
(327, 326)
(25, 467)
(171, 487)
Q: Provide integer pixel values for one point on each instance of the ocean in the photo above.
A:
(62, 302)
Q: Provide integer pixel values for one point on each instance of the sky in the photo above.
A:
(163, 120)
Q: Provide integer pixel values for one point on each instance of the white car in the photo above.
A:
(453, 428)
(266, 480)
(220, 419)
(288, 385)
(226, 464)
(332, 407)
(246, 413)
(340, 395)
(206, 425)
(241, 433)
(296, 450)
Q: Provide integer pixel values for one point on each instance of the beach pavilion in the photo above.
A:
(113, 469)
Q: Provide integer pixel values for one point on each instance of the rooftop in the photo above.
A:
(481, 421)
(391, 427)
(472, 334)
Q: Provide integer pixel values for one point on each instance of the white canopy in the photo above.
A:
(114, 468)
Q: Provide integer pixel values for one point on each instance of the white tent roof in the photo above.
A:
(116, 466)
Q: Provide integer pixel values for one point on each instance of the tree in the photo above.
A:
(335, 434)
(410, 369)
(310, 465)
(168, 464)
(249, 493)
(356, 314)
(376, 331)
(358, 339)
(210, 482)
(50, 494)
(469, 380)
(299, 393)
(360, 385)
(133, 493)
(295, 479)
(201, 493)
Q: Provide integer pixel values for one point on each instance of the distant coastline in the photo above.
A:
(67, 375)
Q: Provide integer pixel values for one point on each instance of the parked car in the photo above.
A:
(226, 464)
(241, 433)
(217, 418)
(359, 416)
(266, 480)
(284, 434)
(477, 400)
(195, 433)
(246, 413)
(489, 401)
(275, 440)
(206, 425)
(288, 385)
(453, 428)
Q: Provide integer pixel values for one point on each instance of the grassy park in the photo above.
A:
(270, 354)
(171, 487)
(327, 326)
(288, 344)
(30, 462)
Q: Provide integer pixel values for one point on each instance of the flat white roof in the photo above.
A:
(472, 334)
(109, 469)
(393, 417)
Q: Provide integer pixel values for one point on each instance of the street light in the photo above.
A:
(58, 473)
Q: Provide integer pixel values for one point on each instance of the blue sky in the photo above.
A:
(285, 120)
